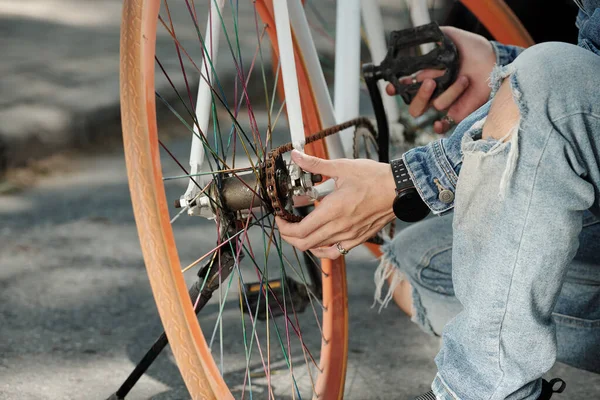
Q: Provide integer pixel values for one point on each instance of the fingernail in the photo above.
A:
(429, 84)
(463, 80)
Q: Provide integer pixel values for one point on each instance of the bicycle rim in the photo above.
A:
(188, 341)
(500, 21)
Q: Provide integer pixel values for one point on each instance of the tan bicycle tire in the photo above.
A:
(140, 137)
(500, 21)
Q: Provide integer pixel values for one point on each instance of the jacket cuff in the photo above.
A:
(434, 174)
(505, 54)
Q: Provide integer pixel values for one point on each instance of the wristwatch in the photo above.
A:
(408, 204)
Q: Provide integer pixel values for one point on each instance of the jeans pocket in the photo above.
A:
(436, 271)
(578, 341)
(589, 34)
(588, 45)
(589, 219)
(575, 322)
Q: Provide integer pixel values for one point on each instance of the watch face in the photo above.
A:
(409, 207)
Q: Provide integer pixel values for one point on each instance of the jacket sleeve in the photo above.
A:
(505, 54)
(434, 168)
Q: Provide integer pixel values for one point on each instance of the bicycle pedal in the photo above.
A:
(397, 65)
(272, 293)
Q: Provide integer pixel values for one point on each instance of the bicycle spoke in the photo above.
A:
(215, 95)
(236, 144)
(222, 171)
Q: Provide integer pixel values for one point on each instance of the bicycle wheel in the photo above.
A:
(500, 21)
(200, 363)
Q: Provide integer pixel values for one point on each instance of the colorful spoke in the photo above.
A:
(230, 124)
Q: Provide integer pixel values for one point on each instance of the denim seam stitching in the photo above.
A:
(446, 388)
(426, 261)
(443, 162)
(438, 156)
(432, 252)
(591, 114)
(516, 262)
(593, 222)
(496, 52)
(423, 197)
(419, 316)
(572, 318)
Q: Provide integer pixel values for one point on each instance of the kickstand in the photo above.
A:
(200, 295)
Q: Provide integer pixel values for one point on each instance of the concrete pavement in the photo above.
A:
(76, 312)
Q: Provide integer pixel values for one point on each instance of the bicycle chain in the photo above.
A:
(274, 158)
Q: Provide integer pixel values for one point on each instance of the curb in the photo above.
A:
(94, 129)
(71, 130)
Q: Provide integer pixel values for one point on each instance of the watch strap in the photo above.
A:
(401, 175)
(408, 205)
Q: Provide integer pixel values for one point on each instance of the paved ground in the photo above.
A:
(76, 311)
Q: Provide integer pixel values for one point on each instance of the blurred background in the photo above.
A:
(76, 311)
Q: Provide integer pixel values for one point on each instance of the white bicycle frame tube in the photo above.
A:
(373, 24)
(289, 14)
(309, 52)
(419, 15)
(347, 68)
(288, 72)
(204, 100)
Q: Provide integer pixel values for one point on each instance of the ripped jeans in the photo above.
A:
(515, 282)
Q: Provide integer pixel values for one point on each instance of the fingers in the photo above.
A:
(325, 235)
(390, 89)
(317, 234)
(418, 76)
(314, 164)
(451, 100)
(444, 101)
(450, 95)
(330, 252)
(309, 232)
(421, 101)
(441, 126)
(317, 238)
(470, 101)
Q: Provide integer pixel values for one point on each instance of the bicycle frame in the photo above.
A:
(290, 17)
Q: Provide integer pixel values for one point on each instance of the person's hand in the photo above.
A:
(470, 90)
(360, 206)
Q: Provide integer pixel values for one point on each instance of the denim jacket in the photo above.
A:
(435, 167)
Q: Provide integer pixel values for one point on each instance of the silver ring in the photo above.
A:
(414, 78)
(342, 250)
(449, 120)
